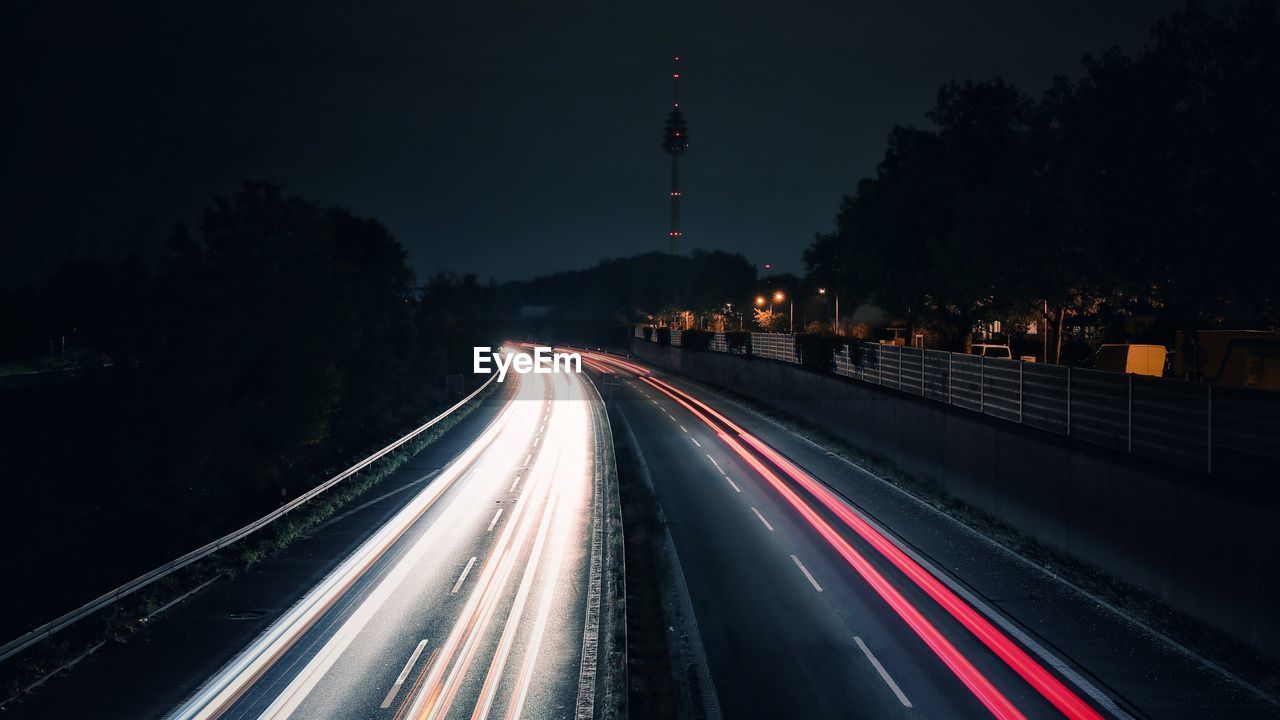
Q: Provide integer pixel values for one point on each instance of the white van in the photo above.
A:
(999, 352)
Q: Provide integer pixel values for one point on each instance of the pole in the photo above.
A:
(922, 371)
(1209, 427)
(792, 322)
(675, 204)
(1045, 332)
(1068, 401)
(1130, 433)
(949, 378)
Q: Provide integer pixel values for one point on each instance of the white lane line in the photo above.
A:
(541, 428)
(472, 561)
(494, 521)
(695, 442)
(902, 698)
(805, 570)
(527, 458)
(713, 462)
(655, 402)
(514, 483)
(998, 618)
(732, 484)
(536, 440)
(391, 694)
(683, 429)
(766, 522)
(673, 417)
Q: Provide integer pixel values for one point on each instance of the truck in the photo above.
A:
(1132, 358)
(1240, 358)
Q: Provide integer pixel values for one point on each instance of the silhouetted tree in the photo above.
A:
(1148, 183)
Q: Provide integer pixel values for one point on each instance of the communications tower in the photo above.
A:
(675, 140)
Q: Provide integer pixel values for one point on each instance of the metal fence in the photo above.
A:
(775, 346)
(1163, 419)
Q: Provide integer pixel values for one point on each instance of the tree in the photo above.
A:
(937, 234)
(1147, 185)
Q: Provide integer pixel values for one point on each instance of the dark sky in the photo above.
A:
(500, 138)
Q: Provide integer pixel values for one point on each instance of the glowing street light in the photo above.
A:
(779, 297)
(823, 292)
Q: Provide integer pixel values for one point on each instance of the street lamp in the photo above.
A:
(823, 292)
(791, 323)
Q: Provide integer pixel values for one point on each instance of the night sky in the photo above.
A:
(507, 142)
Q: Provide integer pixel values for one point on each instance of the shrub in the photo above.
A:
(697, 340)
(738, 341)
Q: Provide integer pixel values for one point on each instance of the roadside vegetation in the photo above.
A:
(31, 669)
(1145, 187)
(249, 358)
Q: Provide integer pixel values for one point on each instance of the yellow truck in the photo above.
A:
(1243, 358)
(1136, 359)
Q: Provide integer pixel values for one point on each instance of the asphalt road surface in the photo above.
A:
(462, 589)
(459, 593)
(821, 591)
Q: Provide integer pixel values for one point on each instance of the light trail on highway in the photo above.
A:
(478, 581)
(945, 624)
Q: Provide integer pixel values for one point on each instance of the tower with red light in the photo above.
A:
(675, 140)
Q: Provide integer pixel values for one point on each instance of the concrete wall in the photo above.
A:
(1205, 544)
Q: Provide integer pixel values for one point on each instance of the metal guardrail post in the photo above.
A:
(1068, 401)
(899, 367)
(949, 401)
(982, 383)
(1130, 413)
(922, 371)
(1209, 428)
(1020, 366)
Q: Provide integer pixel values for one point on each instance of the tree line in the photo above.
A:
(594, 304)
(1147, 186)
(276, 340)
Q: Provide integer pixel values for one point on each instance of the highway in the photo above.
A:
(808, 605)
(467, 597)
(464, 588)
(471, 601)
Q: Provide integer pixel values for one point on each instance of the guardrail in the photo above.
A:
(19, 644)
(1163, 419)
